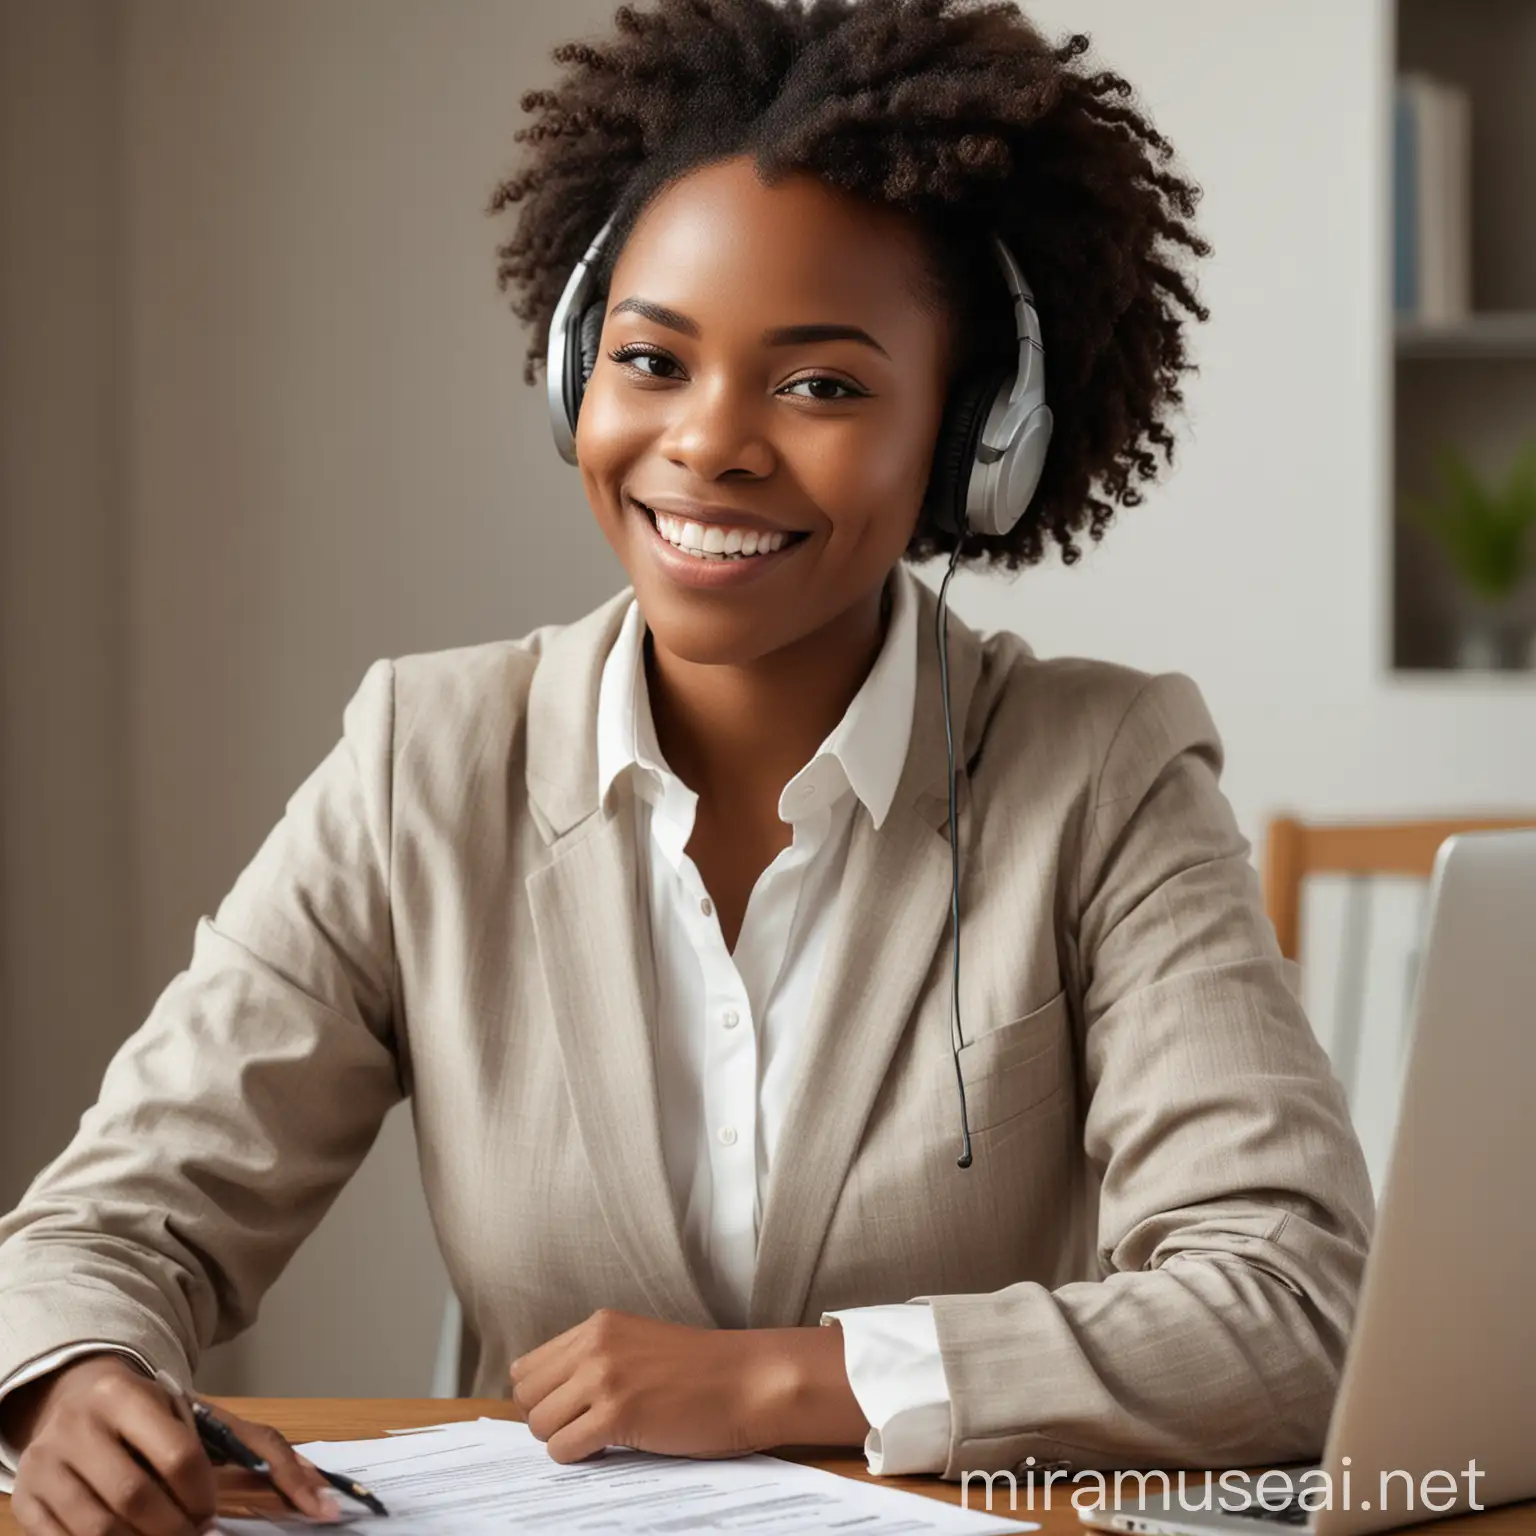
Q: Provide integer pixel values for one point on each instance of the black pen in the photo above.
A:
(224, 1445)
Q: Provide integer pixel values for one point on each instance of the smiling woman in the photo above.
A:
(657, 915)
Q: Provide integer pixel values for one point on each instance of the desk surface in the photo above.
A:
(335, 1418)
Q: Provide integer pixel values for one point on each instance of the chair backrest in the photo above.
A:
(454, 1367)
(1296, 849)
(1361, 981)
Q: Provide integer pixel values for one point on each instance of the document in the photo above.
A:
(489, 1476)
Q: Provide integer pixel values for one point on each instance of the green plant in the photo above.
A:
(1485, 532)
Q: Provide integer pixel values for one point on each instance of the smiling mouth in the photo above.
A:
(714, 541)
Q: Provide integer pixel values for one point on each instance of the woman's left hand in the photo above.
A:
(620, 1379)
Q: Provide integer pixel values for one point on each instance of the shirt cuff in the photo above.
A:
(52, 1361)
(892, 1357)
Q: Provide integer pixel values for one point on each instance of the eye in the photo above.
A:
(629, 355)
(853, 393)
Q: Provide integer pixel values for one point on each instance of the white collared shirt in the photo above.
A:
(729, 1023)
(728, 1028)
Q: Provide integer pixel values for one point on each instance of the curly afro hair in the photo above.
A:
(959, 113)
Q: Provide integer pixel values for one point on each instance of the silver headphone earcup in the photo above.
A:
(954, 452)
(1002, 488)
(578, 357)
(569, 330)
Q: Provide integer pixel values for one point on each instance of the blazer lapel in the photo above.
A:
(594, 951)
(893, 910)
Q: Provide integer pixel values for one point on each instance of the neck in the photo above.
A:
(735, 735)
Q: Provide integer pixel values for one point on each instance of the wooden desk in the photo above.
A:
(335, 1418)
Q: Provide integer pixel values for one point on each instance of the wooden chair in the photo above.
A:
(453, 1367)
(1363, 852)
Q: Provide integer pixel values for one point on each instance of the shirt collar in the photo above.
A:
(626, 733)
(869, 743)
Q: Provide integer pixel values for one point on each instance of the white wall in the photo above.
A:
(67, 989)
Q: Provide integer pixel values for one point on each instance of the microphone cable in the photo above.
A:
(956, 1039)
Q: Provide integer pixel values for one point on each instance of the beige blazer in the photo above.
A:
(1154, 1259)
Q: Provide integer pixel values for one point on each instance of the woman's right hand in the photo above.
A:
(77, 1477)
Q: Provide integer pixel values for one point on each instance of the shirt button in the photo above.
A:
(707, 907)
(728, 1135)
(731, 1018)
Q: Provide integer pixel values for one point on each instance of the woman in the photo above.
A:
(650, 914)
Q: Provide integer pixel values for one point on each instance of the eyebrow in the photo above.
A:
(775, 336)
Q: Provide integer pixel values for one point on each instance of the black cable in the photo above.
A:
(956, 1039)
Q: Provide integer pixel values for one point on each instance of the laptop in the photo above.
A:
(1436, 1408)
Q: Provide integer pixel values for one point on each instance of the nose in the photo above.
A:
(716, 429)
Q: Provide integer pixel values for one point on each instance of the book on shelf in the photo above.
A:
(1432, 200)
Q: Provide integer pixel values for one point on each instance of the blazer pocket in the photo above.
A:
(1017, 1065)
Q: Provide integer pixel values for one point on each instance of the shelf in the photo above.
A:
(1506, 334)
(1434, 680)
(1470, 382)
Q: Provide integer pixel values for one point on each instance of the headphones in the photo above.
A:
(987, 460)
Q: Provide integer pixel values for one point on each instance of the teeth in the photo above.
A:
(711, 541)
